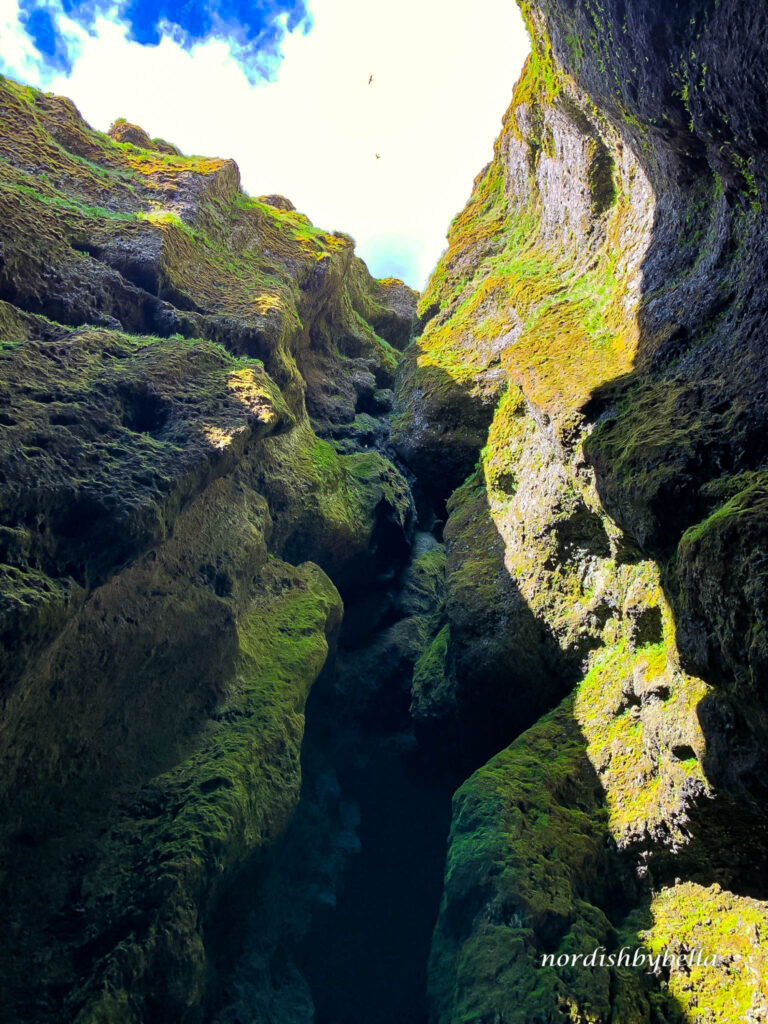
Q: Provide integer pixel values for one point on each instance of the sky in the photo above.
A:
(284, 88)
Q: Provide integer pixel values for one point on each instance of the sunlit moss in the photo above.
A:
(714, 923)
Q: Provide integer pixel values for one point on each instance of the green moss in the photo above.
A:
(476, 229)
(433, 690)
(532, 864)
(423, 586)
(325, 455)
(325, 506)
(655, 431)
(66, 190)
(153, 419)
(750, 499)
(547, 835)
(33, 195)
(506, 437)
(525, 860)
(474, 578)
(691, 916)
(574, 337)
(138, 471)
(542, 77)
(719, 573)
(224, 789)
(532, 860)
(232, 793)
(642, 784)
(576, 52)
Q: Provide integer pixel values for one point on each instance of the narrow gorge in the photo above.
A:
(370, 657)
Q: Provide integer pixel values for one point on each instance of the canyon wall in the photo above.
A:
(588, 403)
(175, 358)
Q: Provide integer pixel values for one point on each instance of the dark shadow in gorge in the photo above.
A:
(364, 956)
(347, 899)
(346, 910)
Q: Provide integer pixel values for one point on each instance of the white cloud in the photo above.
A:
(443, 75)
(18, 56)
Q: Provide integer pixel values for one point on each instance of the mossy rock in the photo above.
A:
(140, 775)
(422, 590)
(508, 669)
(719, 561)
(529, 870)
(157, 326)
(123, 231)
(726, 980)
(554, 842)
(349, 513)
(434, 702)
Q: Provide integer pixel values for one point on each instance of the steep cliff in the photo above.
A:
(587, 403)
(173, 352)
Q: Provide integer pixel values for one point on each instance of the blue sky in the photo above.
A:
(284, 89)
(254, 27)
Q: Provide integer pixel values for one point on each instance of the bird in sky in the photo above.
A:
(378, 156)
(370, 80)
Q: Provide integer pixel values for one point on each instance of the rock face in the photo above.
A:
(593, 366)
(172, 351)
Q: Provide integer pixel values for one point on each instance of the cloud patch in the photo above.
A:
(43, 32)
(389, 162)
(254, 29)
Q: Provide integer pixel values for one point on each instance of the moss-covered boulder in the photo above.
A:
(386, 637)
(559, 846)
(352, 514)
(100, 229)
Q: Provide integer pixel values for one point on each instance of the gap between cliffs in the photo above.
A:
(333, 924)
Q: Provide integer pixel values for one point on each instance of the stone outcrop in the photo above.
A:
(593, 363)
